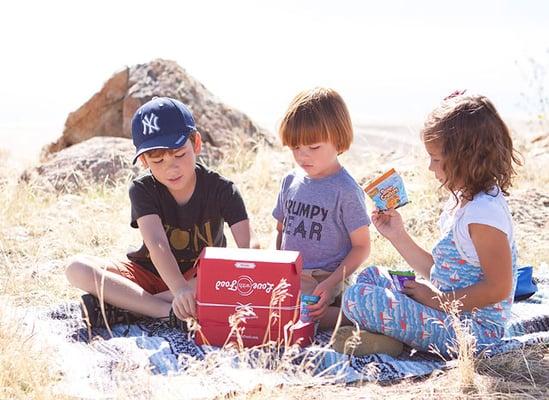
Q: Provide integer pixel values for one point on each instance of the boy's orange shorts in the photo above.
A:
(150, 282)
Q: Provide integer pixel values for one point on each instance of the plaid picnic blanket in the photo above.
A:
(90, 358)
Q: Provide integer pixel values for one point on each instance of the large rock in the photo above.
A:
(99, 160)
(109, 112)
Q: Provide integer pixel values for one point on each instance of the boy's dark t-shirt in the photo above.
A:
(192, 226)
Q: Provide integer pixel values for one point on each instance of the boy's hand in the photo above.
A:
(184, 303)
(324, 290)
(389, 223)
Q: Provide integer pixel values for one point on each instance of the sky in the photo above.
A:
(391, 61)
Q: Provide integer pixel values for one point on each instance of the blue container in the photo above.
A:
(307, 300)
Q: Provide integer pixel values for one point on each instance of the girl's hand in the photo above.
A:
(423, 292)
(324, 290)
(389, 223)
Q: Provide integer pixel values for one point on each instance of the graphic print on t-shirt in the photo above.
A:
(304, 220)
(195, 238)
(186, 244)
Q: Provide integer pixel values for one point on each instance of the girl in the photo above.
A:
(320, 208)
(472, 156)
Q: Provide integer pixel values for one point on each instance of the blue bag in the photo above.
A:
(526, 285)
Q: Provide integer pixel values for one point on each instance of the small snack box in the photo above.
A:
(387, 191)
(232, 279)
(399, 277)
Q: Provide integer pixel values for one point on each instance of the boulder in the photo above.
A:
(109, 112)
(99, 160)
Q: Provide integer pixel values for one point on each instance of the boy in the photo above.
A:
(180, 207)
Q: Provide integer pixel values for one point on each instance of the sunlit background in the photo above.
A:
(391, 61)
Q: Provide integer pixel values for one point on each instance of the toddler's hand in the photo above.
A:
(389, 223)
(324, 290)
(184, 303)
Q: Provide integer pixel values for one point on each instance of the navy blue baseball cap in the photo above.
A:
(161, 123)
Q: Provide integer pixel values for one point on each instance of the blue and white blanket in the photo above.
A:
(152, 345)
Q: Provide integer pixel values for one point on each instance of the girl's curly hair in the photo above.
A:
(476, 145)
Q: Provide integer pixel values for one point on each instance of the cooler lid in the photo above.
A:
(256, 255)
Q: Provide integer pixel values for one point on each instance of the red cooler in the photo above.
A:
(230, 279)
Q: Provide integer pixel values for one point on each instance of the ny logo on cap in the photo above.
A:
(150, 124)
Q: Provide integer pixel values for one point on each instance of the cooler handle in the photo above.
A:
(244, 265)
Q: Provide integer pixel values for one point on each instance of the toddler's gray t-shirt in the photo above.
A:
(318, 216)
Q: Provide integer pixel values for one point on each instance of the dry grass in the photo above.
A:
(40, 230)
(26, 368)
